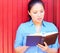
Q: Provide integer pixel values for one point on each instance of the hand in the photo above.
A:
(44, 48)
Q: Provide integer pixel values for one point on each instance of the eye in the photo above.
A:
(41, 11)
(35, 12)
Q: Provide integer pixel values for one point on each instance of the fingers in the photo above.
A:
(44, 48)
(41, 46)
(45, 43)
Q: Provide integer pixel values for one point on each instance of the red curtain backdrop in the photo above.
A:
(14, 12)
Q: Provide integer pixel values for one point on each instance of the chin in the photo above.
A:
(39, 21)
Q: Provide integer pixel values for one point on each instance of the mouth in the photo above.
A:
(39, 18)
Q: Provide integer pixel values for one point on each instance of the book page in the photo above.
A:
(50, 33)
(43, 34)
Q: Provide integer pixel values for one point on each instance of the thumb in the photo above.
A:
(45, 44)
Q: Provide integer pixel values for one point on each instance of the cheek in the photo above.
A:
(33, 15)
(42, 15)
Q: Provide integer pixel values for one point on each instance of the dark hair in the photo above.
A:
(32, 2)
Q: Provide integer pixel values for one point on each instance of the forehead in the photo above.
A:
(37, 6)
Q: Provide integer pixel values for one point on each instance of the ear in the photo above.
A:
(28, 12)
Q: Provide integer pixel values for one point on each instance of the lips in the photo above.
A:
(39, 18)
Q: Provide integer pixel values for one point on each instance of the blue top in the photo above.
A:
(28, 28)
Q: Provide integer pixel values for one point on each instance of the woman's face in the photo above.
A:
(37, 12)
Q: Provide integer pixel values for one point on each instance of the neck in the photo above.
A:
(38, 26)
(37, 23)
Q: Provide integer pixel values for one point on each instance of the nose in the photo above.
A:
(39, 14)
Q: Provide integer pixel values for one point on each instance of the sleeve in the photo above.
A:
(53, 27)
(56, 45)
(19, 37)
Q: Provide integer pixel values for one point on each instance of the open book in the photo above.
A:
(49, 38)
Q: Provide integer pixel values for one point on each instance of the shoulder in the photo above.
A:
(50, 26)
(24, 25)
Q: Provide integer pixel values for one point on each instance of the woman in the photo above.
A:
(36, 24)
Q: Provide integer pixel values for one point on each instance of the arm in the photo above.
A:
(18, 45)
(47, 49)
(51, 50)
(21, 49)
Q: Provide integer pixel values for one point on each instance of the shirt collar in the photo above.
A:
(31, 23)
